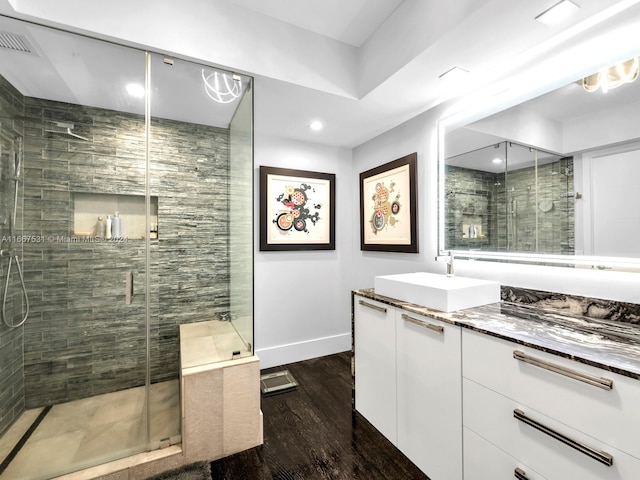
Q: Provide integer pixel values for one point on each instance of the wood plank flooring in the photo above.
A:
(312, 433)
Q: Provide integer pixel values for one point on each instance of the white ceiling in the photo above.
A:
(362, 66)
(351, 21)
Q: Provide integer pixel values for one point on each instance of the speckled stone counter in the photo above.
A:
(610, 345)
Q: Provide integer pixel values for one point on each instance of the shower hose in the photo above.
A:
(13, 257)
(10, 252)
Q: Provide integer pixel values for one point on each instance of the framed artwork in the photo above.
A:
(389, 206)
(297, 209)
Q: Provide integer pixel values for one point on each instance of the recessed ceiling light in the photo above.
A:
(496, 160)
(135, 90)
(454, 74)
(558, 12)
(316, 125)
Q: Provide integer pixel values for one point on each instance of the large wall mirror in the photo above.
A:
(554, 179)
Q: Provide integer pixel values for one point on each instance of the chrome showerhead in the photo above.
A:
(65, 131)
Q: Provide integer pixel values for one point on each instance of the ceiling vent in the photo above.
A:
(17, 43)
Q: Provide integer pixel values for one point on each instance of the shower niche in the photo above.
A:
(90, 209)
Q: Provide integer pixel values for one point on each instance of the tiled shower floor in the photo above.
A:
(91, 431)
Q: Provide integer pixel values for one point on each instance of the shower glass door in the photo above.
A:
(74, 147)
(200, 225)
(201, 166)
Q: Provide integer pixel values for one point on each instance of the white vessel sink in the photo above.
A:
(438, 292)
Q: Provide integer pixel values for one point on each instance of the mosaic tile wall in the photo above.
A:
(11, 368)
(81, 338)
(506, 209)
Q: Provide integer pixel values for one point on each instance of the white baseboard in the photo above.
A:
(296, 352)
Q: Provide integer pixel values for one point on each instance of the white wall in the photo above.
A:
(416, 135)
(303, 299)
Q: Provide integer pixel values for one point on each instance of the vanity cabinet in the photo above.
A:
(429, 394)
(561, 418)
(375, 364)
(408, 384)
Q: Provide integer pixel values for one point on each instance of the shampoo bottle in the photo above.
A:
(115, 226)
(100, 229)
(108, 229)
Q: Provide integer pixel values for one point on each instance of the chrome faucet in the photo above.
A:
(450, 272)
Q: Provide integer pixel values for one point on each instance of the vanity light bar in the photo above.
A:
(596, 263)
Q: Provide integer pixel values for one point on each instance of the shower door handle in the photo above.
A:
(128, 295)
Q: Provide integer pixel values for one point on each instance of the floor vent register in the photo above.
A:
(277, 382)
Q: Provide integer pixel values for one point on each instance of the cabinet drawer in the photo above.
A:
(484, 461)
(558, 387)
(492, 416)
(375, 364)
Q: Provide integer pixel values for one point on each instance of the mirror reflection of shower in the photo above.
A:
(8, 252)
(518, 199)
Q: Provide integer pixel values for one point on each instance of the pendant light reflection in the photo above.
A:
(221, 87)
(612, 77)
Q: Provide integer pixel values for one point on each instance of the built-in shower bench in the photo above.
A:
(220, 392)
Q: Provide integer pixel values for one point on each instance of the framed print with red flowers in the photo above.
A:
(297, 209)
(389, 207)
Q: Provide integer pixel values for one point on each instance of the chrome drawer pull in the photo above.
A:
(602, 457)
(599, 382)
(372, 306)
(520, 474)
(430, 326)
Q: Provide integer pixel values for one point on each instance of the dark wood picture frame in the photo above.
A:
(389, 207)
(294, 214)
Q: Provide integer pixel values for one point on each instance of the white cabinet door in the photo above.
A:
(429, 394)
(375, 364)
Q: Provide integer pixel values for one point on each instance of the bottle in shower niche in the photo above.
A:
(100, 228)
(108, 228)
(116, 226)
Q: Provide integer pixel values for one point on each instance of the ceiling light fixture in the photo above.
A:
(222, 88)
(558, 13)
(316, 125)
(612, 77)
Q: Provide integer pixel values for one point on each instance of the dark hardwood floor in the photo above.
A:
(312, 433)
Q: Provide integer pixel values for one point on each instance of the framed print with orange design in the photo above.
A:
(297, 209)
(389, 207)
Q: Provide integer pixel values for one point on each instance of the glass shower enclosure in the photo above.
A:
(121, 172)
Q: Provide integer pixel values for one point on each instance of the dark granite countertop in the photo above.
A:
(612, 346)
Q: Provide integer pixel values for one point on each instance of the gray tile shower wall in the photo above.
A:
(11, 340)
(81, 338)
(473, 197)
